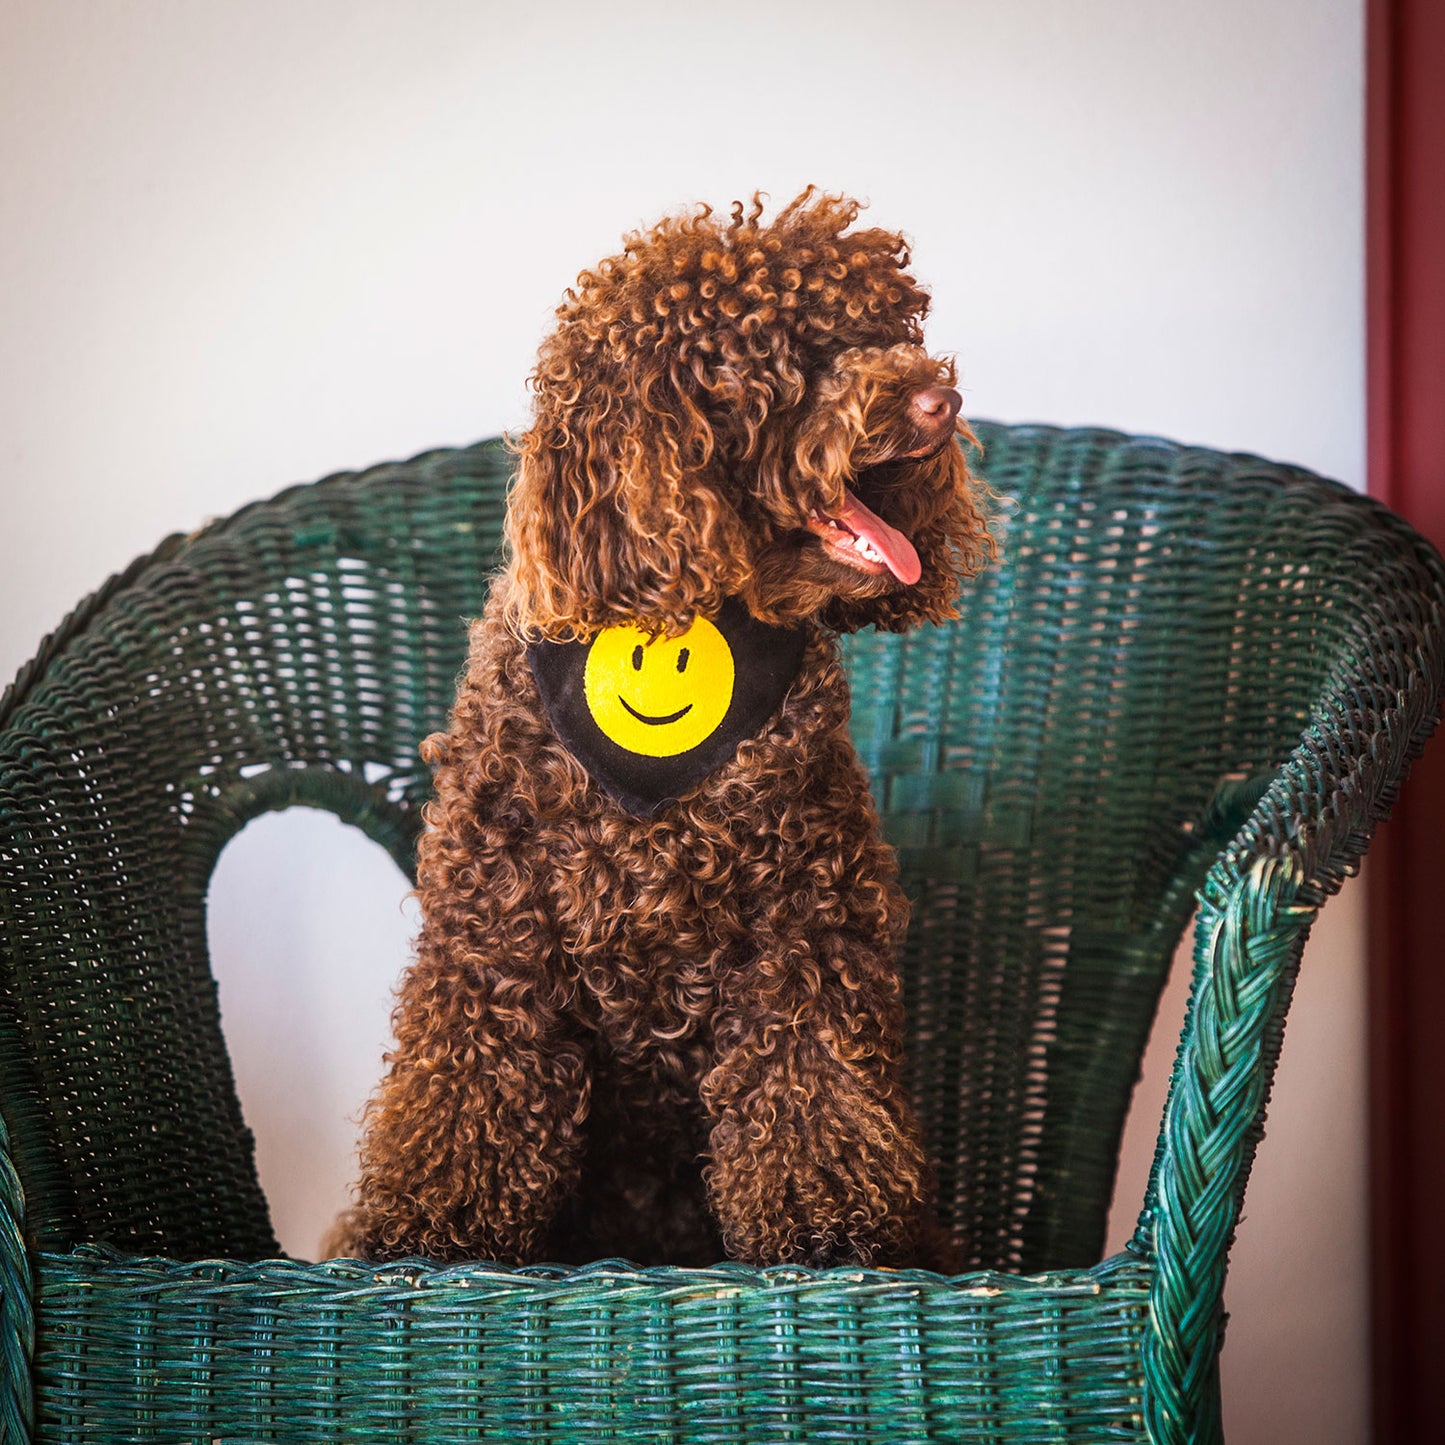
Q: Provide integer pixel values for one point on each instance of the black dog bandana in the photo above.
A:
(651, 716)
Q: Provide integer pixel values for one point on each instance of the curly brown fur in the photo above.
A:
(659, 1036)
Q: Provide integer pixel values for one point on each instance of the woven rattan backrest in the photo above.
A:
(296, 653)
(1058, 769)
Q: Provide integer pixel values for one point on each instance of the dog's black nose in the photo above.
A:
(937, 405)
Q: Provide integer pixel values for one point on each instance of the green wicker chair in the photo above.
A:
(1193, 680)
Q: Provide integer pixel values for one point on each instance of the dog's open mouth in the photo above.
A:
(861, 538)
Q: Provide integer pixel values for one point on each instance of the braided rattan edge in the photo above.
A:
(17, 1307)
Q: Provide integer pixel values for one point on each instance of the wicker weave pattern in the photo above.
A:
(607, 1352)
(1192, 675)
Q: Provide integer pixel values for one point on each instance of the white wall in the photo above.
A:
(243, 244)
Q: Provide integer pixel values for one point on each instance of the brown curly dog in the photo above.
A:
(655, 1013)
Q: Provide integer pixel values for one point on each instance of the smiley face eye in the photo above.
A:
(682, 660)
(637, 658)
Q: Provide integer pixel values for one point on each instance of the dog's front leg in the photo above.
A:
(816, 1156)
(475, 1135)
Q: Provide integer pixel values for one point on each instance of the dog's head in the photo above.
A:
(740, 408)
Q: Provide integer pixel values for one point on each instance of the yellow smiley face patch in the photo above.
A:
(652, 717)
(658, 695)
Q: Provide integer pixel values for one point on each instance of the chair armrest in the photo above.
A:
(17, 1306)
(1248, 942)
(1307, 833)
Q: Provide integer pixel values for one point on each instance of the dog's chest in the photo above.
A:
(665, 930)
(666, 924)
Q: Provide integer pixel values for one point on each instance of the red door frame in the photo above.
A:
(1405, 311)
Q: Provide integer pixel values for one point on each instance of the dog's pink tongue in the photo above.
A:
(895, 549)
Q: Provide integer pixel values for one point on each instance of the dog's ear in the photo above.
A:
(617, 512)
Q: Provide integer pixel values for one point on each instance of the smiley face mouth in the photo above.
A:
(654, 722)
